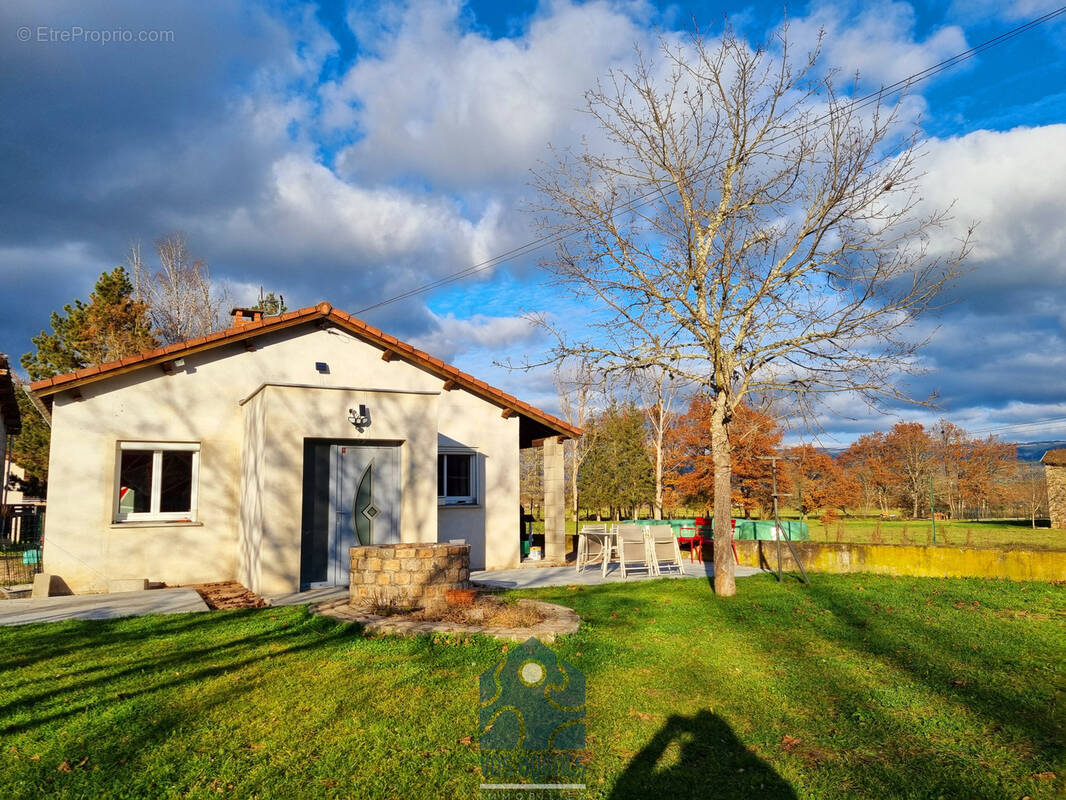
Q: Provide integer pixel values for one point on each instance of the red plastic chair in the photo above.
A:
(697, 539)
(693, 540)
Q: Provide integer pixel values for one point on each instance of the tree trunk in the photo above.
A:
(575, 462)
(657, 506)
(724, 578)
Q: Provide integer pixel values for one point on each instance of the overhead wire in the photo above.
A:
(1011, 426)
(641, 200)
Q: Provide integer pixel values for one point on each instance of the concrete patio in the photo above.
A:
(317, 595)
(100, 606)
(538, 577)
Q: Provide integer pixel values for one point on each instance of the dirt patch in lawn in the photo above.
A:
(488, 615)
(227, 595)
(485, 610)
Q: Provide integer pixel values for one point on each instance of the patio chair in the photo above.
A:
(664, 549)
(692, 540)
(633, 550)
(591, 546)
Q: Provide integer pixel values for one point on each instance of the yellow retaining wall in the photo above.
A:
(914, 560)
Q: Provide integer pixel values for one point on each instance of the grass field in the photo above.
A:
(991, 533)
(857, 687)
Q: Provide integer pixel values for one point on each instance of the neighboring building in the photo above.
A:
(15, 474)
(263, 452)
(1054, 462)
(10, 424)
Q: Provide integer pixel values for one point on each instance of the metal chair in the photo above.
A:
(664, 549)
(633, 550)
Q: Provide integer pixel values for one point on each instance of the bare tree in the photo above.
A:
(577, 388)
(1030, 489)
(749, 230)
(657, 390)
(182, 301)
(579, 392)
(531, 478)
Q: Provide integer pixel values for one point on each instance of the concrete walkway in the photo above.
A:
(100, 606)
(322, 594)
(537, 577)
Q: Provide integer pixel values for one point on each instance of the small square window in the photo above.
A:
(157, 481)
(456, 479)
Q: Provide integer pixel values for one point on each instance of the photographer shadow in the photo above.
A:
(713, 764)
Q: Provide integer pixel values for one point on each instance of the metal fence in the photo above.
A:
(21, 534)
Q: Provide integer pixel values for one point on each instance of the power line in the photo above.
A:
(1011, 426)
(643, 199)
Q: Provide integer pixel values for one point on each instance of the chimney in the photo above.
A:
(245, 316)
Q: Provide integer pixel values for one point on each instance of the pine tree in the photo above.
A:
(271, 305)
(617, 472)
(110, 326)
(30, 447)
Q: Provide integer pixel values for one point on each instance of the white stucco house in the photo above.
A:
(263, 452)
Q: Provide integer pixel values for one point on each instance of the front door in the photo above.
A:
(364, 503)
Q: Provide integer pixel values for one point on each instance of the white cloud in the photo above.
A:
(1010, 182)
(451, 336)
(464, 110)
(879, 42)
(382, 237)
(1015, 10)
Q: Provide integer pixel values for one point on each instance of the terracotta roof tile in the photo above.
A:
(378, 337)
(1054, 458)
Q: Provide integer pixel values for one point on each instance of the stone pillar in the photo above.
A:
(554, 501)
(1056, 493)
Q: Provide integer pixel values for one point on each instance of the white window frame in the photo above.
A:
(154, 514)
(464, 501)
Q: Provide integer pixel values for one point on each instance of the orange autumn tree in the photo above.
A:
(819, 483)
(867, 461)
(987, 473)
(690, 465)
(757, 436)
(911, 456)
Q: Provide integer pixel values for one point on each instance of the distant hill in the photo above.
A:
(1033, 451)
(1027, 451)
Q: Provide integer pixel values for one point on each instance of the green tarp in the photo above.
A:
(745, 529)
(764, 529)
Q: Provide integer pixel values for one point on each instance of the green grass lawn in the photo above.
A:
(857, 687)
(991, 533)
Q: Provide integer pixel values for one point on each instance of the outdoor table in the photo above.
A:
(606, 540)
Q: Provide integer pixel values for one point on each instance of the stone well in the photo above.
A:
(415, 573)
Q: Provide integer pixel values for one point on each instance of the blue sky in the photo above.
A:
(352, 151)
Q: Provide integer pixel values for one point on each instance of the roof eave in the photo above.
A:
(51, 386)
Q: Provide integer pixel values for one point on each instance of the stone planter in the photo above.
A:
(416, 574)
